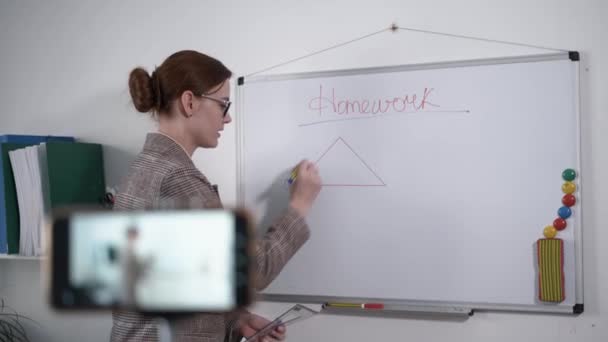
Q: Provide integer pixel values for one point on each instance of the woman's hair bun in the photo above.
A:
(142, 90)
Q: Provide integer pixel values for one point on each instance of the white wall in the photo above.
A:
(64, 67)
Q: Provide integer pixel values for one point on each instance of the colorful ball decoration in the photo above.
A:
(569, 200)
(569, 175)
(560, 224)
(569, 188)
(550, 232)
(564, 212)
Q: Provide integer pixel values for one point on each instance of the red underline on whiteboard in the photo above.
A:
(466, 111)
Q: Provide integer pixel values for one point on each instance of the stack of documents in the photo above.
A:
(30, 196)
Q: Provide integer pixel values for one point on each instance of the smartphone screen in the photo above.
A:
(161, 261)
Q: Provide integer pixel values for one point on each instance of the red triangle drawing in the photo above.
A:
(340, 165)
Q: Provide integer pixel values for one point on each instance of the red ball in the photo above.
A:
(569, 200)
(559, 223)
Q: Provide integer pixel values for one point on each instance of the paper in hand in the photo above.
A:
(296, 313)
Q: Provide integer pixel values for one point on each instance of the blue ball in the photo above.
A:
(564, 212)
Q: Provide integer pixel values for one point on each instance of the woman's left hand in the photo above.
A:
(252, 323)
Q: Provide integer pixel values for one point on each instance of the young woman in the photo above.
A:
(189, 95)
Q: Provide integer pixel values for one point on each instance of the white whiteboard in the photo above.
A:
(440, 196)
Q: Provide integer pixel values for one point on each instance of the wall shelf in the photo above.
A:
(19, 257)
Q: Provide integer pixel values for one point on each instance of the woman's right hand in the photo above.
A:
(306, 187)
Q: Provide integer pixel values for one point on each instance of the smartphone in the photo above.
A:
(158, 262)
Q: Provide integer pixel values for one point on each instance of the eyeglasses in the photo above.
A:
(225, 103)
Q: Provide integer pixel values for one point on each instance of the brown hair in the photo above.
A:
(183, 70)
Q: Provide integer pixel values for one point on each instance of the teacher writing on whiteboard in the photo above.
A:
(189, 95)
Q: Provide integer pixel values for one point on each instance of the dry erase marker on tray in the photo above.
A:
(372, 306)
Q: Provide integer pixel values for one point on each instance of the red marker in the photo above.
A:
(377, 306)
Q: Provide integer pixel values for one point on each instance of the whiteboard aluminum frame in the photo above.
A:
(440, 307)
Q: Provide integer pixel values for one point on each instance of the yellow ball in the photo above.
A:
(550, 232)
(569, 188)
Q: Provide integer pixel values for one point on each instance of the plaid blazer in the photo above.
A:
(163, 170)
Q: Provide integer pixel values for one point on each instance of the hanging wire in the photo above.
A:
(394, 28)
(318, 52)
(482, 39)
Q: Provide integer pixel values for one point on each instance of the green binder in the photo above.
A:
(75, 174)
